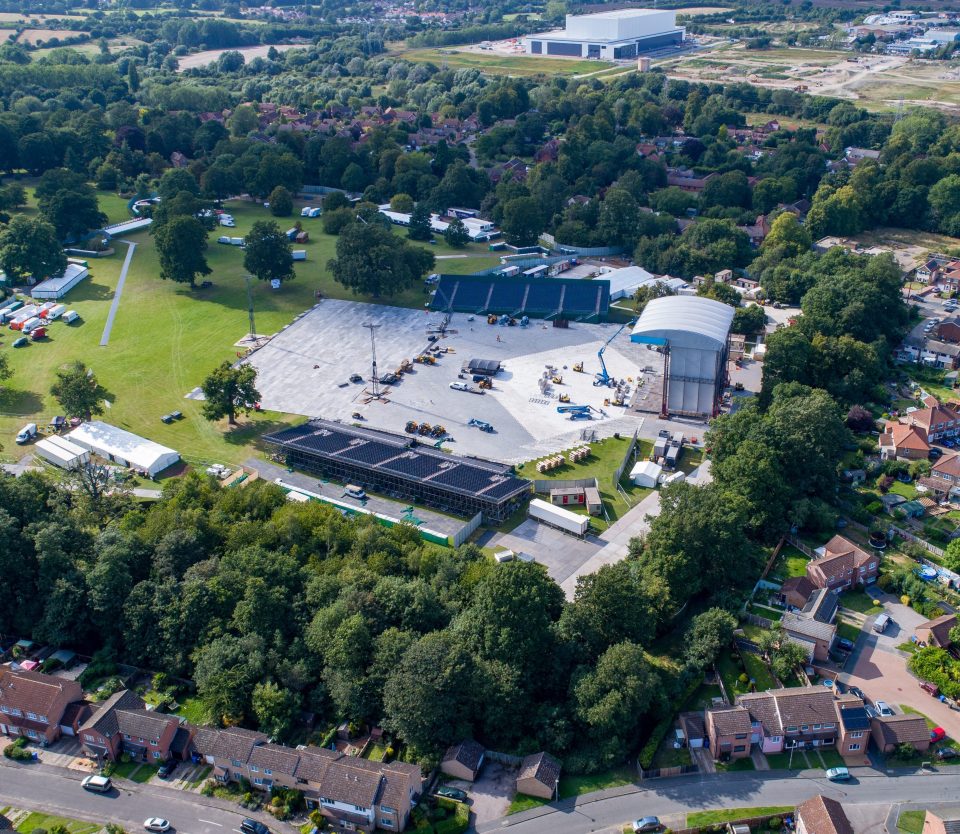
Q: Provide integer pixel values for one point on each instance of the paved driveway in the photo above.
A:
(562, 553)
(491, 794)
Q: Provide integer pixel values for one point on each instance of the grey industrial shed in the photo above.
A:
(693, 333)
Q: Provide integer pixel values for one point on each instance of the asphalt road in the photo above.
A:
(57, 791)
(662, 797)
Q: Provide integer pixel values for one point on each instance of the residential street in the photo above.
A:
(663, 797)
(58, 791)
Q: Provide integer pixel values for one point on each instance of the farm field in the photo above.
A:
(504, 64)
(35, 36)
(166, 338)
(201, 59)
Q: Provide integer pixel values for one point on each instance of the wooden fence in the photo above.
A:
(666, 772)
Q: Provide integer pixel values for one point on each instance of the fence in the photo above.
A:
(757, 620)
(618, 473)
(936, 551)
(753, 822)
(773, 559)
(804, 549)
(666, 772)
(502, 758)
(466, 531)
(544, 486)
(589, 251)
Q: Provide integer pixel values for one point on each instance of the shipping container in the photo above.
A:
(559, 517)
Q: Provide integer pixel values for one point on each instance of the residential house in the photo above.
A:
(937, 422)
(757, 231)
(822, 815)
(843, 565)
(272, 765)
(539, 776)
(948, 279)
(936, 632)
(813, 627)
(902, 442)
(891, 730)
(548, 152)
(947, 469)
(796, 590)
(729, 732)
(123, 724)
(949, 330)
(854, 726)
(687, 180)
(795, 717)
(227, 751)
(943, 822)
(857, 155)
(463, 760)
(928, 272)
(694, 728)
(33, 704)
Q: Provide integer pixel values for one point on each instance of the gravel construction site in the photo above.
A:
(306, 369)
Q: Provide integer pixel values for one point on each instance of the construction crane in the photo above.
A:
(603, 377)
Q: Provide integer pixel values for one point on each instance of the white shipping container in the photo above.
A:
(559, 517)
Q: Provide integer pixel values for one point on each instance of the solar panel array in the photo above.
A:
(379, 452)
(567, 298)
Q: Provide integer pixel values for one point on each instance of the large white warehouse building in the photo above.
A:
(692, 333)
(613, 36)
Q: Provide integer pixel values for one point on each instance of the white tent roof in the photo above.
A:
(688, 321)
(121, 445)
(646, 467)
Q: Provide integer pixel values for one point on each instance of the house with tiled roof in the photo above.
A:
(796, 590)
(33, 705)
(813, 626)
(843, 565)
(226, 751)
(854, 721)
(944, 821)
(902, 442)
(123, 724)
(822, 815)
(795, 717)
(947, 469)
(539, 775)
(936, 632)
(890, 730)
(729, 730)
(937, 422)
(463, 760)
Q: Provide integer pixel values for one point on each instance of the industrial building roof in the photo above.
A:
(113, 442)
(685, 320)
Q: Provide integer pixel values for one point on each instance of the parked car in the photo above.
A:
(855, 690)
(99, 784)
(947, 753)
(167, 768)
(356, 378)
(883, 708)
(845, 644)
(937, 734)
(451, 793)
(23, 341)
(838, 774)
(459, 386)
(930, 688)
(249, 826)
(645, 824)
(158, 824)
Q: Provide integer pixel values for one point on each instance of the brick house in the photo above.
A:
(33, 704)
(854, 726)
(947, 469)
(942, 823)
(936, 632)
(728, 730)
(949, 330)
(123, 724)
(843, 565)
(937, 422)
(796, 590)
(797, 717)
(539, 775)
(822, 815)
(813, 627)
(227, 751)
(889, 731)
(900, 442)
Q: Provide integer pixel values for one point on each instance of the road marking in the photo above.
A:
(211, 822)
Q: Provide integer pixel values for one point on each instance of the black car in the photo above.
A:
(167, 768)
(846, 645)
(947, 753)
(249, 826)
(859, 693)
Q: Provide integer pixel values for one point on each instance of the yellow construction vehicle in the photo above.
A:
(428, 359)
(558, 380)
(411, 426)
(578, 367)
(491, 319)
(485, 383)
(564, 398)
(425, 428)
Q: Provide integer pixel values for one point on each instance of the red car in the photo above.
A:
(38, 333)
(930, 688)
(937, 734)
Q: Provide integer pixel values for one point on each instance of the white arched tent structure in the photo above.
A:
(692, 332)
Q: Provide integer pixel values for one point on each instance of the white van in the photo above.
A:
(27, 432)
(55, 312)
(880, 624)
(70, 316)
(95, 782)
(31, 324)
(354, 491)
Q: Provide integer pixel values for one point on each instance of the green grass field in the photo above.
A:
(167, 338)
(911, 822)
(490, 62)
(46, 821)
(700, 819)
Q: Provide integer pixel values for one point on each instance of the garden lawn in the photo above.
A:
(790, 563)
(522, 802)
(703, 697)
(911, 822)
(701, 819)
(47, 821)
(194, 710)
(831, 758)
(781, 761)
(848, 631)
(758, 671)
(908, 491)
(375, 752)
(571, 786)
(859, 601)
(736, 765)
(669, 756)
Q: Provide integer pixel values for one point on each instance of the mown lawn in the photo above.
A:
(167, 338)
(860, 602)
(758, 671)
(790, 563)
(46, 821)
(492, 63)
(911, 822)
(700, 819)
(781, 761)
(736, 765)
(848, 631)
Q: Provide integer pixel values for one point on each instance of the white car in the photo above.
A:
(156, 824)
(459, 386)
(883, 708)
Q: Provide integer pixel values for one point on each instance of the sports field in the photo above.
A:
(166, 338)
(498, 64)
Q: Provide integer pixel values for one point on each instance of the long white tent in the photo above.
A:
(123, 447)
(61, 452)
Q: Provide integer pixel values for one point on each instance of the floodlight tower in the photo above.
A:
(375, 377)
